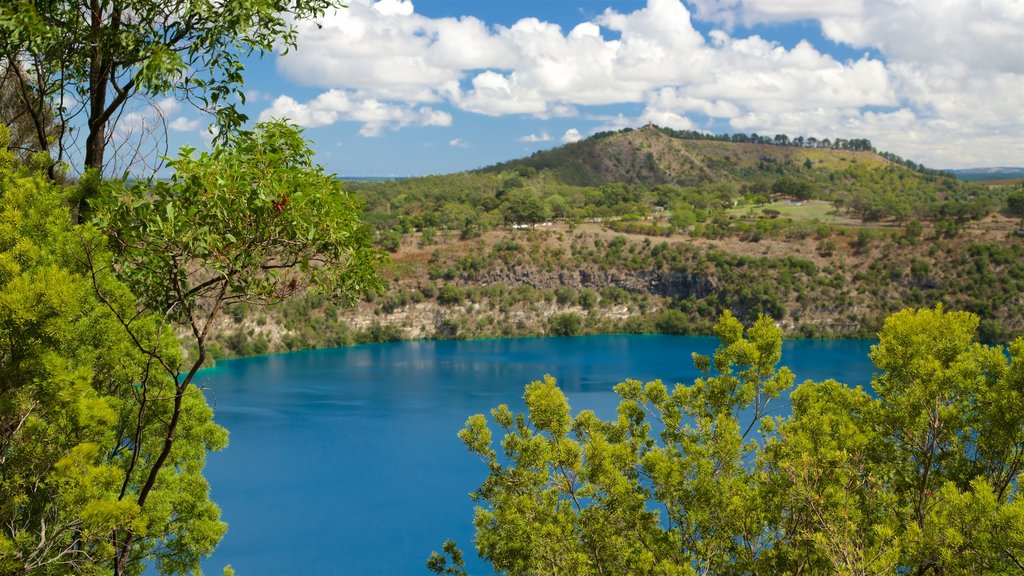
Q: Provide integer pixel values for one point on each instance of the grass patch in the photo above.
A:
(816, 210)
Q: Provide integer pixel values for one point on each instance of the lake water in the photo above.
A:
(346, 461)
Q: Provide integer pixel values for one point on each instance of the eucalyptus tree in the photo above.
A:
(78, 400)
(85, 60)
(104, 426)
(255, 220)
(17, 99)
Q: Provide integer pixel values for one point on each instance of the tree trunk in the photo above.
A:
(94, 145)
(99, 74)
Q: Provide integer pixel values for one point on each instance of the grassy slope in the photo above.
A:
(648, 156)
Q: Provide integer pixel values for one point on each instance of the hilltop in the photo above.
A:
(653, 155)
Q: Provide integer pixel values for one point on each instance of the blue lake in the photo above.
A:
(346, 461)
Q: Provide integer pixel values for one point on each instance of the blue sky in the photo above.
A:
(399, 88)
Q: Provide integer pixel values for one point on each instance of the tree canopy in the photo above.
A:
(78, 401)
(919, 475)
(103, 425)
(255, 220)
(85, 60)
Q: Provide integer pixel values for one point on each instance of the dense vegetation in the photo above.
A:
(918, 476)
(79, 405)
(639, 173)
(103, 430)
(828, 241)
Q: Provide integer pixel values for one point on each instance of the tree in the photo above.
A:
(574, 496)
(920, 478)
(682, 216)
(953, 412)
(77, 399)
(522, 206)
(17, 99)
(799, 189)
(85, 60)
(255, 220)
(1015, 203)
(565, 324)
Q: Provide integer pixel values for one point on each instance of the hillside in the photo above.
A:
(993, 174)
(653, 155)
(669, 232)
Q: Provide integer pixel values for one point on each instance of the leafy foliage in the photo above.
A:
(103, 430)
(255, 220)
(923, 477)
(92, 58)
(77, 398)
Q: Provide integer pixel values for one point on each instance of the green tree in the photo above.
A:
(253, 221)
(682, 216)
(921, 478)
(1015, 203)
(575, 495)
(77, 399)
(952, 415)
(524, 206)
(86, 60)
(565, 324)
(28, 133)
(799, 189)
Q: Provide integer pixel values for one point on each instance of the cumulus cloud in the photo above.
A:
(394, 7)
(571, 135)
(542, 137)
(336, 105)
(182, 124)
(955, 69)
(945, 65)
(458, 143)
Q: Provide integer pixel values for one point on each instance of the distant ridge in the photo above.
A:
(653, 155)
(371, 178)
(993, 173)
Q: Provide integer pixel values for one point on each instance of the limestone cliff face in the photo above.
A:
(671, 284)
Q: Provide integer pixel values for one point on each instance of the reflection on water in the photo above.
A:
(346, 461)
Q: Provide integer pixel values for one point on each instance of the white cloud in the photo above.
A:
(253, 96)
(667, 118)
(167, 106)
(336, 105)
(791, 10)
(571, 135)
(393, 7)
(955, 70)
(182, 124)
(388, 52)
(947, 63)
(458, 143)
(542, 137)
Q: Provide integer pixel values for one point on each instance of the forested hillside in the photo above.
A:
(827, 240)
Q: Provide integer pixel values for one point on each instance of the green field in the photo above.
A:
(817, 210)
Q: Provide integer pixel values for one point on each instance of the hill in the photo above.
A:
(989, 174)
(651, 230)
(652, 155)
